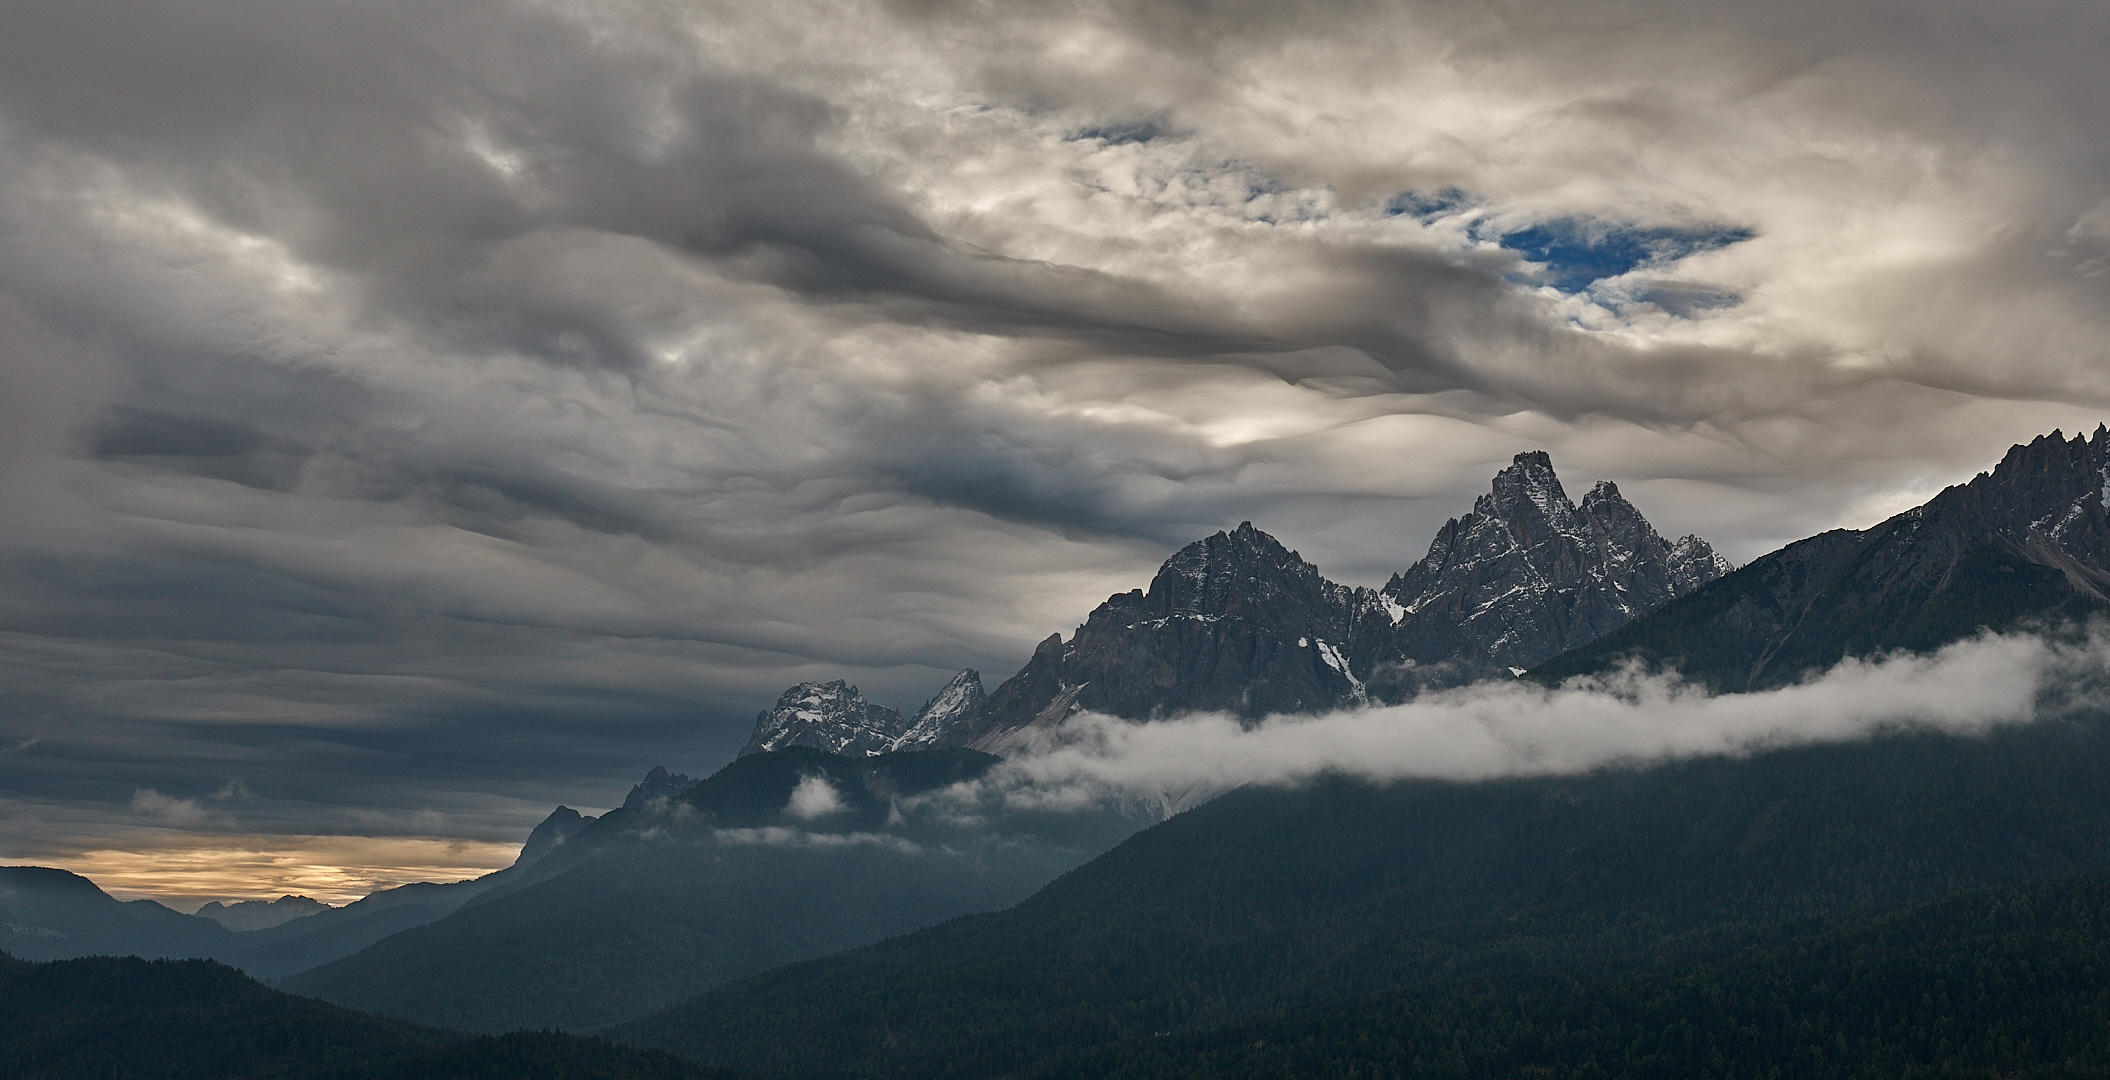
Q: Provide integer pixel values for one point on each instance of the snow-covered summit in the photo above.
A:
(836, 717)
(832, 716)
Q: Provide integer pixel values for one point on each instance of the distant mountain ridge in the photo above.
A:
(260, 914)
(1238, 623)
(2029, 540)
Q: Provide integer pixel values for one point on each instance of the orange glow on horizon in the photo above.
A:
(333, 869)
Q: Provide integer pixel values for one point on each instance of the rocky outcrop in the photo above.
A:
(836, 717)
(933, 724)
(1528, 575)
(657, 784)
(831, 716)
(2025, 544)
(562, 824)
(1232, 623)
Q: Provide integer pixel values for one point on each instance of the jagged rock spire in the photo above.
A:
(933, 724)
(1529, 574)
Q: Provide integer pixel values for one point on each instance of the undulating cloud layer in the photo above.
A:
(417, 413)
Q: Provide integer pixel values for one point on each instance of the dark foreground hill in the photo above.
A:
(2026, 544)
(1270, 900)
(103, 1017)
(2010, 981)
(777, 857)
(49, 914)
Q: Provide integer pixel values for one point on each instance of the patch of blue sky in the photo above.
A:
(1575, 252)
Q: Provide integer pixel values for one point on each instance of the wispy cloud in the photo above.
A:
(151, 803)
(1521, 729)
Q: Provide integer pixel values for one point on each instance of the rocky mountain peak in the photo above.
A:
(1235, 569)
(562, 824)
(831, 716)
(2048, 501)
(935, 721)
(1529, 574)
(657, 784)
(2028, 540)
(1528, 497)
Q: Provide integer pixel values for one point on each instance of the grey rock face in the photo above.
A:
(1234, 623)
(562, 824)
(657, 784)
(933, 723)
(1529, 574)
(2048, 501)
(830, 716)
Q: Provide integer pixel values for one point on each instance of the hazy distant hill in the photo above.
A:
(51, 914)
(105, 1017)
(261, 914)
(779, 856)
(1269, 899)
(48, 914)
(2028, 541)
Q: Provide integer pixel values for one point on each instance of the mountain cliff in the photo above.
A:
(2028, 540)
(933, 724)
(1234, 622)
(1528, 575)
(657, 784)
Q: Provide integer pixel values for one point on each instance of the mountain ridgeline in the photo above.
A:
(1237, 623)
(835, 717)
(779, 856)
(2027, 543)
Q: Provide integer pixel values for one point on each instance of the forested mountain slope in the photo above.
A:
(105, 1017)
(2007, 981)
(1271, 898)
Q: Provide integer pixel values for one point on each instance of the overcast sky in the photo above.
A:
(417, 414)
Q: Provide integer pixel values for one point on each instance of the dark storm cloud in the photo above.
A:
(410, 407)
